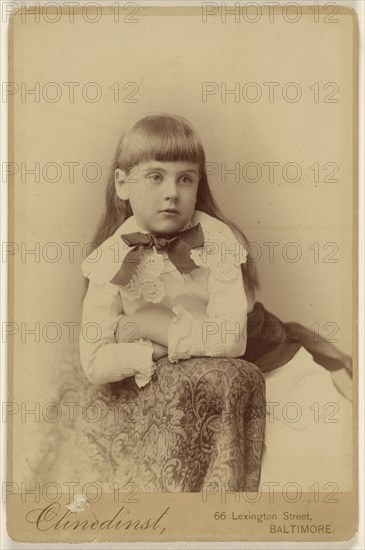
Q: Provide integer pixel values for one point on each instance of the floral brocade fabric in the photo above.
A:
(199, 421)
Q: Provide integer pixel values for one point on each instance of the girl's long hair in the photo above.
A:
(165, 138)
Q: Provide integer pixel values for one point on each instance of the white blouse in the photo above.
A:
(209, 303)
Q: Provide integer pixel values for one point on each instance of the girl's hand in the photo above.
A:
(158, 351)
(148, 324)
(127, 330)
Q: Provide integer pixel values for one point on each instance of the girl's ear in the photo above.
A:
(120, 184)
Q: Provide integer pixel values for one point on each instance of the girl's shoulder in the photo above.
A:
(214, 230)
(102, 264)
(222, 247)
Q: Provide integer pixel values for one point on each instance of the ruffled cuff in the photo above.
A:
(145, 368)
(179, 335)
(190, 337)
(206, 338)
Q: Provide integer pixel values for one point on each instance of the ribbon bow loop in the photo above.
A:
(177, 245)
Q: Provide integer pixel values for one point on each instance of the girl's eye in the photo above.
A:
(186, 179)
(155, 177)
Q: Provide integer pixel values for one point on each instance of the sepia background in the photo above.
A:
(167, 59)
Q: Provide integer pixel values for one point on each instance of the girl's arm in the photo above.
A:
(223, 331)
(150, 324)
(103, 358)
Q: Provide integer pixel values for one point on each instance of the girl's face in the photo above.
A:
(162, 195)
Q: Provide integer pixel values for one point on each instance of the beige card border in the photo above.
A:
(179, 522)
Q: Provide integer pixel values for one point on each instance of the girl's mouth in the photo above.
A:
(170, 211)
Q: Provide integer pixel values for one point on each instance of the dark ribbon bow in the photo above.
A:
(177, 245)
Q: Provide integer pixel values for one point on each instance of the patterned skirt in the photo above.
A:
(199, 421)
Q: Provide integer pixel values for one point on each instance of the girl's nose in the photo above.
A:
(170, 189)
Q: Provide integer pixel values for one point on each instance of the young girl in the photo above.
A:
(169, 285)
(176, 408)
